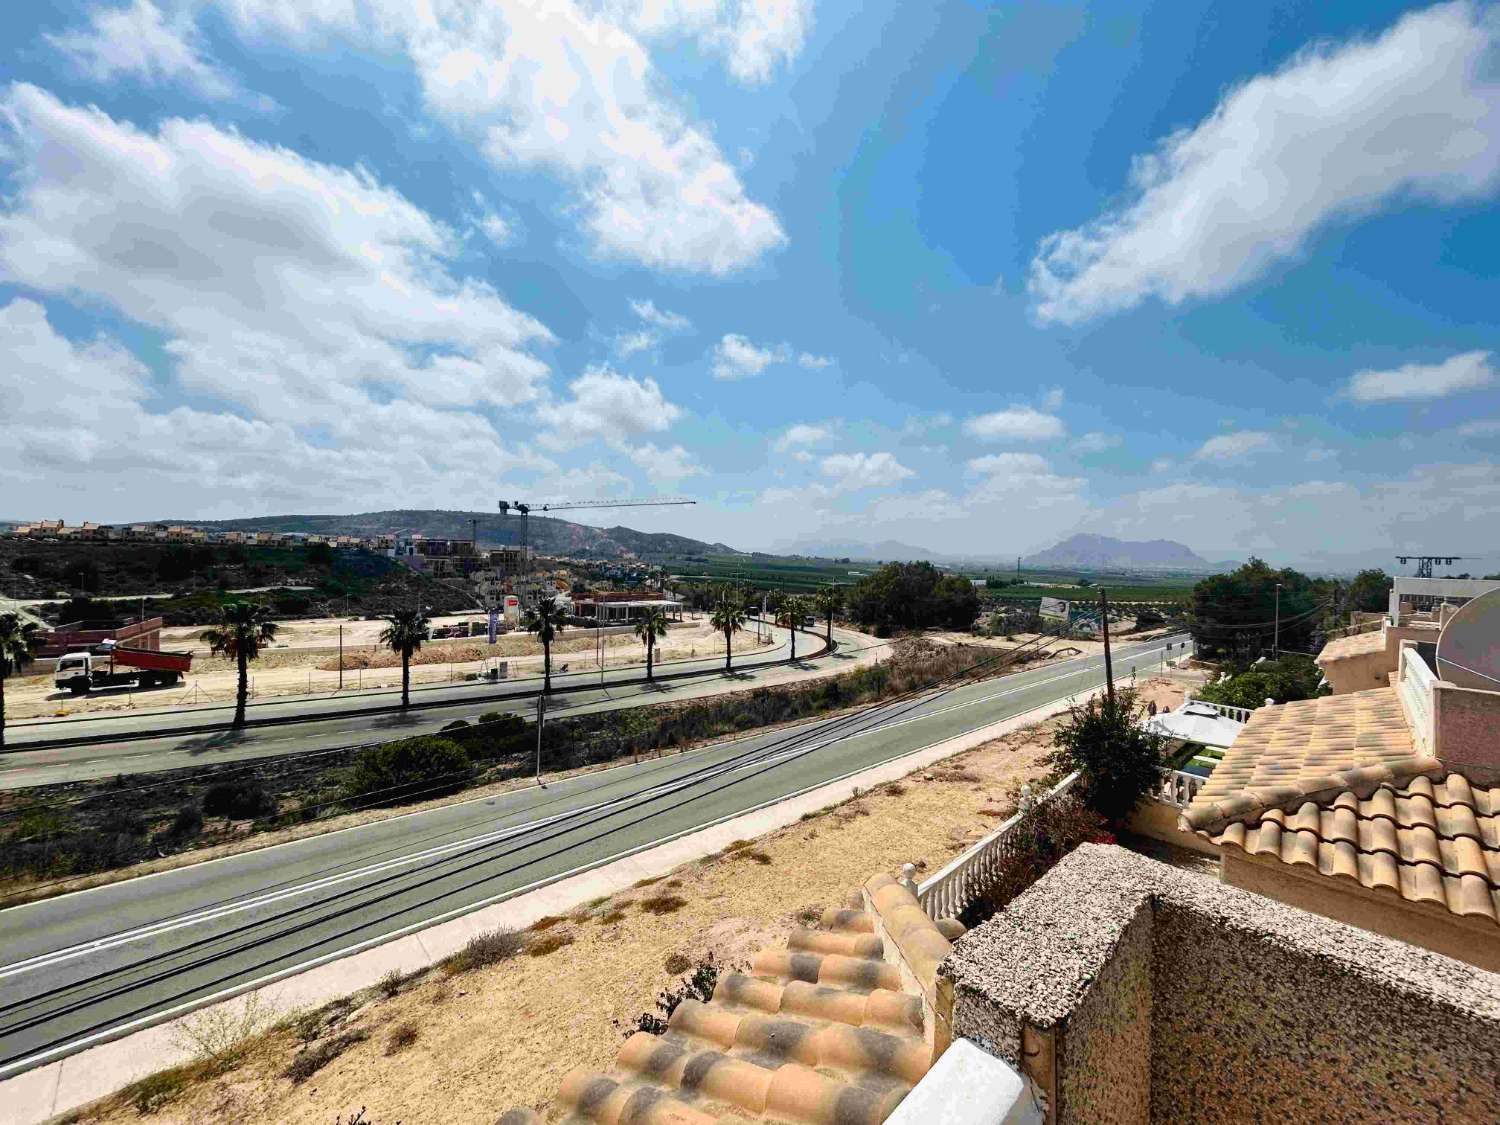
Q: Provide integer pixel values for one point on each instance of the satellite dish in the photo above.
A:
(1468, 650)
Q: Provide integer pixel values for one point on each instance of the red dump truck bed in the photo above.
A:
(150, 658)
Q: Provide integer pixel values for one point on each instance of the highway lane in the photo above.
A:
(87, 966)
(149, 722)
(21, 768)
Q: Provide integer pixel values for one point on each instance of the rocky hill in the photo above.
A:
(550, 536)
(1100, 552)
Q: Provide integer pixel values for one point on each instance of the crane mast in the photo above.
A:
(524, 509)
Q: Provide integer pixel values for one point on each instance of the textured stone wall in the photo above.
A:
(1221, 1005)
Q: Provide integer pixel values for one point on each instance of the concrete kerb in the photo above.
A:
(78, 1079)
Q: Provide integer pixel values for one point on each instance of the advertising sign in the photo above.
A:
(494, 625)
(1054, 609)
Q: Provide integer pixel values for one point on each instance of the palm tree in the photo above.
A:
(546, 621)
(404, 632)
(728, 618)
(243, 629)
(793, 609)
(18, 641)
(652, 624)
(828, 601)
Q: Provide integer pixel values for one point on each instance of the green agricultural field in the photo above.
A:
(768, 571)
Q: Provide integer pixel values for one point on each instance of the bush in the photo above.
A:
(1043, 835)
(457, 724)
(699, 986)
(313, 1059)
(402, 1036)
(187, 824)
(411, 769)
(238, 800)
(1118, 761)
(486, 949)
(1284, 680)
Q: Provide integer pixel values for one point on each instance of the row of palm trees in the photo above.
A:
(244, 629)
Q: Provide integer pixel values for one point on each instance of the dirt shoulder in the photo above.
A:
(476, 1043)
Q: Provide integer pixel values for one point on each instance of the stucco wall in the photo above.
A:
(1468, 732)
(1244, 1008)
(1359, 673)
(1158, 820)
(1475, 940)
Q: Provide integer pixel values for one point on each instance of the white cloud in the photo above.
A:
(567, 88)
(1097, 442)
(1339, 131)
(663, 466)
(1161, 464)
(853, 471)
(1053, 399)
(304, 293)
(1028, 463)
(754, 37)
(1482, 427)
(1018, 423)
(606, 405)
(1230, 447)
(1414, 382)
(814, 362)
(660, 318)
(803, 434)
(735, 357)
(137, 41)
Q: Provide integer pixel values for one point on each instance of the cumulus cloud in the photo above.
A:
(1231, 447)
(735, 357)
(803, 434)
(753, 37)
(853, 471)
(814, 362)
(568, 88)
(1339, 131)
(1414, 382)
(306, 294)
(1018, 423)
(1008, 463)
(603, 404)
(137, 41)
(663, 466)
(656, 325)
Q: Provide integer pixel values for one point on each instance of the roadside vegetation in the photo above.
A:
(60, 831)
(1290, 678)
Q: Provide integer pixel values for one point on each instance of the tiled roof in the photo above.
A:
(824, 1031)
(1313, 749)
(1360, 644)
(1430, 842)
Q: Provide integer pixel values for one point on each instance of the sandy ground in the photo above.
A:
(308, 669)
(505, 1035)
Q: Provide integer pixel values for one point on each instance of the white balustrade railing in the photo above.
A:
(1178, 787)
(948, 892)
(1415, 685)
(1238, 714)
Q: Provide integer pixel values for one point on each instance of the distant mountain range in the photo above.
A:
(887, 550)
(1100, 552)
(548, 535)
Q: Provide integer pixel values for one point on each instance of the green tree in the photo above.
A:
(1370, 591)
(404, 632)
(1290, 678)
(1118, 762)
(913, 596)
(653, 624)
(728, 617)
(828, 601)
(1234, 616)
(18, 644)
(789, 615)
(546, 620)
(241, 631)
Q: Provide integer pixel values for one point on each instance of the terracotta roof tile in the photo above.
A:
(1343, 648)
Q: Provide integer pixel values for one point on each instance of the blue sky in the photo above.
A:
(968, 276)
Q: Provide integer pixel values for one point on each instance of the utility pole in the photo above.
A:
(541, 718)
(1109, 667)
(1276, 635)
(341, 656)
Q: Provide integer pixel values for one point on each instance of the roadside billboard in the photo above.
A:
(1054, 609)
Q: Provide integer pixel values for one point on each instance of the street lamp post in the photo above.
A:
(1276, 634)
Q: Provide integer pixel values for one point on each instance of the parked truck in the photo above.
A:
(115, 665)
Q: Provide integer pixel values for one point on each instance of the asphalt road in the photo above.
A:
(90, 966)
(133, 751)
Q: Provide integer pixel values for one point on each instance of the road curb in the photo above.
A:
(77, 1079)
(423, 705)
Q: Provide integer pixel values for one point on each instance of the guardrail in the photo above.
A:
(946, 893)
(1238, 714)
(1178, 787)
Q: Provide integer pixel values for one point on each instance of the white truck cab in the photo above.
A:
(74, 671)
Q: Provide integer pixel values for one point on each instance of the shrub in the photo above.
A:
(402, 1036)
(663, 904)
(1043, 835)
(238, 800)
(156, 1090)
(1285, 680)
(457, 724)
(409, 769)
(486, 949)
(390, 984)
(187, 824)
(699, 986)
(678, 963)
(548, 943)
(1118, 761)
(310, 1060)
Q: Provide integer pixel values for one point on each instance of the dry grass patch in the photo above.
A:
(486, 949)
(548, 943)
(402, 1036)
(310, 1060)
(662, 904)
(545, 923)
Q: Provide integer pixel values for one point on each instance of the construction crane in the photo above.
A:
(524, 510)
(1424, 562)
